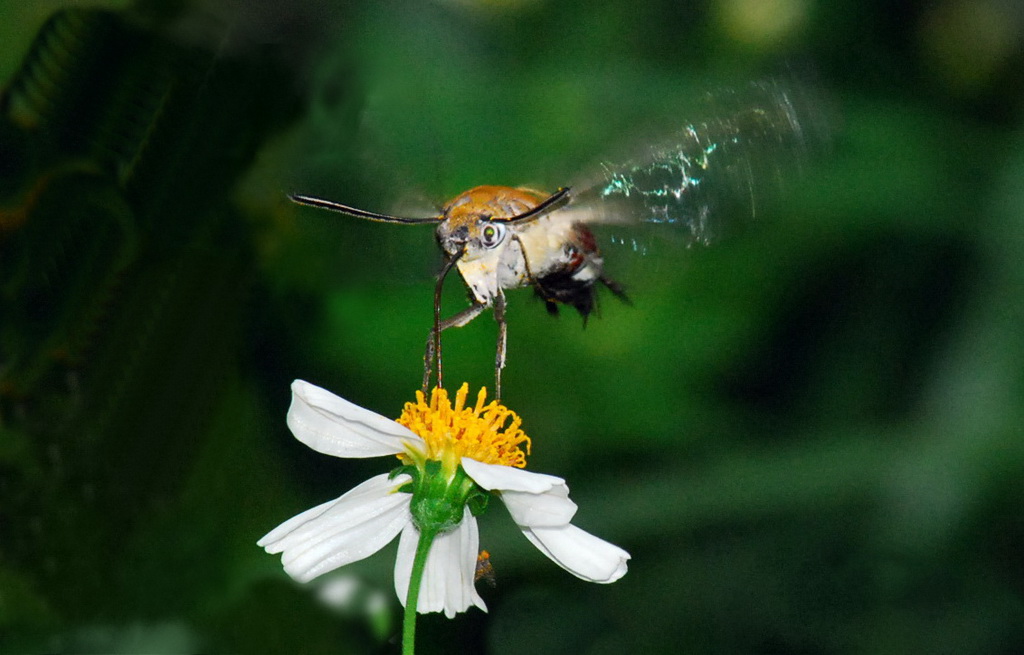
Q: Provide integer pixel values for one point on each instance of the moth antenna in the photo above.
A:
(330, 205)
(552, 202)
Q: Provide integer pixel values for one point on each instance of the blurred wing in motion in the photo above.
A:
(711, 173)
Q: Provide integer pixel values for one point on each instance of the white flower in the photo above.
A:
(369, 516)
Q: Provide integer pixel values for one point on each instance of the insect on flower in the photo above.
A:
(484, 569)
(501, 238)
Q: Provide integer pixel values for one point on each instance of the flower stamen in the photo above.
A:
(453, 432)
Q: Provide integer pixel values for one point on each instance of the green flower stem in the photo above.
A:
(419, 563)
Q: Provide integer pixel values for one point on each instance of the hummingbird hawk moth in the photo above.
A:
(501, 237)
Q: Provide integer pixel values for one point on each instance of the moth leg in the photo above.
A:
(433, 352)
(499, 358)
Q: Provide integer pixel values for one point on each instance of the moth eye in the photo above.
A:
(492, 234)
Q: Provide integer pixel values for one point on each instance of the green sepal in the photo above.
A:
(409, 470)
(477, 501)
(438, 501)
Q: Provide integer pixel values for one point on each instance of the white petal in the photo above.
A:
(334, 426)
(450, 572)
(341, 531)
(533, 499)
(497, 477)
(547, 510)
(580, 552)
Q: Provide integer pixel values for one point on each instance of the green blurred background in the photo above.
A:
(808, 436)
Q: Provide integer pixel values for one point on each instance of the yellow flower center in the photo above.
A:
(479, 432)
